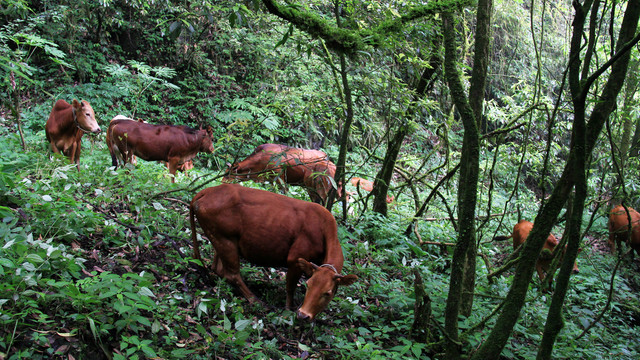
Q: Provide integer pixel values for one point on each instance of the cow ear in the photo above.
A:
(307, 267)
(346, 280)
(76, 104)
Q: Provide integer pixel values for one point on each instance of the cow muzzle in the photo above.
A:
(96, 130)
(303, 315)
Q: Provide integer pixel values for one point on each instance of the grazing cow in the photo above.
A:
(367, 185)
(273, 230)
(520, 233)
(174, 144)
(619, 228)
(294, 166)
(66, 125)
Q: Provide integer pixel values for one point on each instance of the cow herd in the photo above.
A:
(261, 227)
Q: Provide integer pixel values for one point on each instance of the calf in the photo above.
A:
(368, 186)
(520, 233)
(66, 125)
(619, 228)
(273, 230)
(294, 166)
(174, 144)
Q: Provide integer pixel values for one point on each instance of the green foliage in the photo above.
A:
(132, 295)
(98, 261)
(139, 79)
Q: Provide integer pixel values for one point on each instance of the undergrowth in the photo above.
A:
(97, 264)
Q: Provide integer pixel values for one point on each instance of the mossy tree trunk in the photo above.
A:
(462, 282)
(628, 108)
(346, 130)
(584, 136)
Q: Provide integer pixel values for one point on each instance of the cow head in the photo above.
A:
(241, 171)
(207, 140)
(321, 287)
(84, 117)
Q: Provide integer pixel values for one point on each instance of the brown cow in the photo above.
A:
(66, 125)
(367, 185)
(273, 230)
(520, 233)
(294, 166)
(619, 228)
(174, 144)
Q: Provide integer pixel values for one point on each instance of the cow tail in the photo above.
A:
(114, 160)
(194, 234)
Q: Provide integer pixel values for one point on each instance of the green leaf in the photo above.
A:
(242, 324)
(35, 258)
(146, 292)
(158, 206)
(143, 320)
(94, 330)
(7, 263)
(149, 352)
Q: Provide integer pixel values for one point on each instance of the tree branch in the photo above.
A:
(351, 41)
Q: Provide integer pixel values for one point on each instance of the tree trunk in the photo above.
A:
(383, 178)
(627, 112)
(476, 100)
(346, 129)
(14, 107)
(462, 282)
(635, 141)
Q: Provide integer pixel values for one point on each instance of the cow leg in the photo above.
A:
(294, 273)
(313, 195)
(612, 241)
(71, 152)
(217, 265)
(541, 273)
(54, 148)
(76, 155)
(235, 279)
(173, 166)
(226, 262)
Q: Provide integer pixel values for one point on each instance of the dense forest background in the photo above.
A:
(472, 115)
